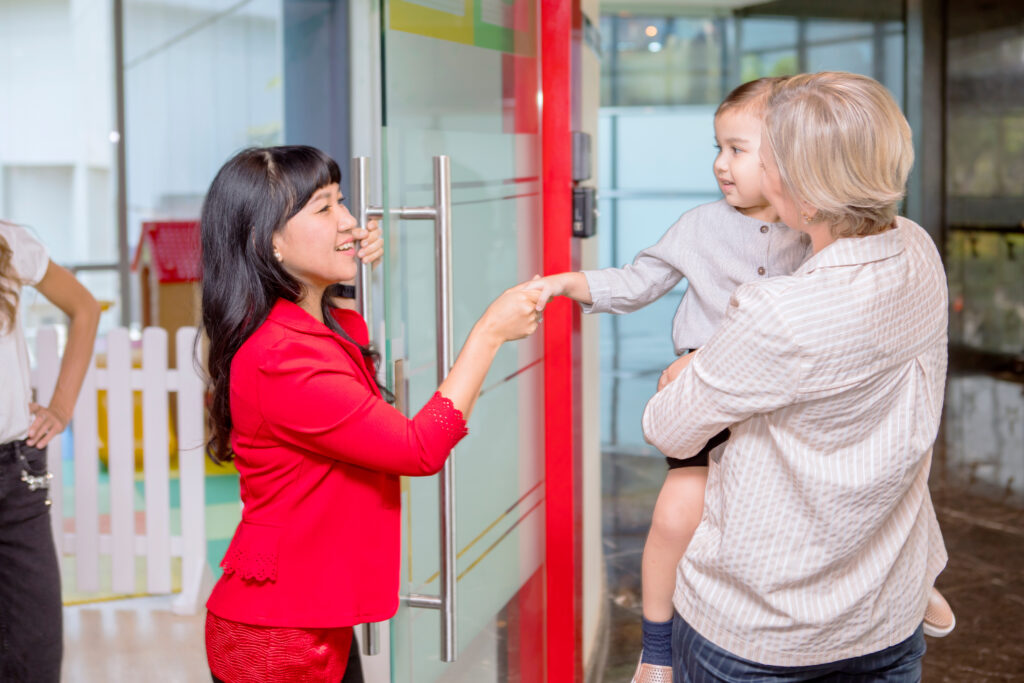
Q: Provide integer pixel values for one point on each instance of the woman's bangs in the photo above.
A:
(306, 170)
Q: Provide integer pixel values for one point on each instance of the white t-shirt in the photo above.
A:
(29, 261)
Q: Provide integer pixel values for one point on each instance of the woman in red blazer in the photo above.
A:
(294, 402)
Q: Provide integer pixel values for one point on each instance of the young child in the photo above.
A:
(29, 575)
(717, 247)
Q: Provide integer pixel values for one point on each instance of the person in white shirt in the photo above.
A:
(819, 543)
(30, 601)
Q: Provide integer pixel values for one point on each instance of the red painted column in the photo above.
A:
(562, 539)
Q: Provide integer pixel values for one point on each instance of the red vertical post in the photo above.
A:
(564, 652)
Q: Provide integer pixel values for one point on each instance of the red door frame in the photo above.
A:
(563, 521)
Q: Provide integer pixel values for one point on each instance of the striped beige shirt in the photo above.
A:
(818, 540)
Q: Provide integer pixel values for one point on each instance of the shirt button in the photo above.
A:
(760, 271)
(764, 228)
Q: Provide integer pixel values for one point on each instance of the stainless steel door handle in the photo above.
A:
(440, 213)
(360, 187)
(445, 324)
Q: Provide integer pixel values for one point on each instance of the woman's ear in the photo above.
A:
(276, 243)
(808, 213)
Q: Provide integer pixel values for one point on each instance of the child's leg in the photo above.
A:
(677, 513)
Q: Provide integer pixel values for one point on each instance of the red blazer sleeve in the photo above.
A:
(309, 398)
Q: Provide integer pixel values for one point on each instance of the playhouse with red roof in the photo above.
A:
(167, 261)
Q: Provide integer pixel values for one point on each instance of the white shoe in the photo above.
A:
(651, 673)
(939, 620)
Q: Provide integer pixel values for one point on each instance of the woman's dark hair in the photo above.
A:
(253, 195)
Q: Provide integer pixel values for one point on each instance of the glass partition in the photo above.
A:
(984, 247)
(486, 121)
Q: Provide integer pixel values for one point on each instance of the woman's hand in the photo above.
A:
(47, 424)
(513, 315)
(673, 370)
(371, 243)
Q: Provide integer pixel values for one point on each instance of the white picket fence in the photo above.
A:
(156, 382)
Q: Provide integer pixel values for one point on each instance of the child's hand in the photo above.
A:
(673, 370)
(552, 285)
(371, 244)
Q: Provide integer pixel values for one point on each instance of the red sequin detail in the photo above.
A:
(241, 653)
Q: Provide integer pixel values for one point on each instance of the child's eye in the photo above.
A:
(737, 150)
(327, 207)
(717, 146)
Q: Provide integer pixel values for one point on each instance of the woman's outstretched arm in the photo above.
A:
(511, 316)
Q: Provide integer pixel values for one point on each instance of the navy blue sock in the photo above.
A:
(657, 642)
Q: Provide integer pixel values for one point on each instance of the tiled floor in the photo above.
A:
(983, 525)
(132, 640)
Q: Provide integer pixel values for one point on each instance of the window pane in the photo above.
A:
(200, 84)
(56, 155)
(662, 61)
(824, 30)
(893, 65)
(671, 149)
(760, 64)
(853, 56)
(766, 33)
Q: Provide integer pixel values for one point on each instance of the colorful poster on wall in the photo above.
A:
(503, 25)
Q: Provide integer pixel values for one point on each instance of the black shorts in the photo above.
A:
(701, 459)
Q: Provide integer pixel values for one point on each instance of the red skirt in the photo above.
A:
(240, 653)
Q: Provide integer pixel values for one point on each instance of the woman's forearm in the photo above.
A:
(70, 296)
(77, 356)
(462, 386)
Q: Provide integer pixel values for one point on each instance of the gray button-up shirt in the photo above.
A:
(717, 249)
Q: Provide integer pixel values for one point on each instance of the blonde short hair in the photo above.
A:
(843, 146)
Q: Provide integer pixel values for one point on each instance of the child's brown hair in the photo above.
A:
(751, 97)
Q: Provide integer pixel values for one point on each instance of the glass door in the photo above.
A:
(460, 79)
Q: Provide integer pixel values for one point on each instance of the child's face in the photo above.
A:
(737, 166)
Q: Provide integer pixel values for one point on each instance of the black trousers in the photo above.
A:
(701, 459)
(31, 628)
(353, 670)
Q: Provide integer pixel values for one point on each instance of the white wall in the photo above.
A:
(199, 86)
(56, 102)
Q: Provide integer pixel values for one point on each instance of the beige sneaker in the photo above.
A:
(652, 673)
(938, 616)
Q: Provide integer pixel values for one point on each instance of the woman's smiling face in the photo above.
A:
(316, 245)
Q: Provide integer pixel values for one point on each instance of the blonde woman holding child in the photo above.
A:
(717, 247)
(816, 553)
